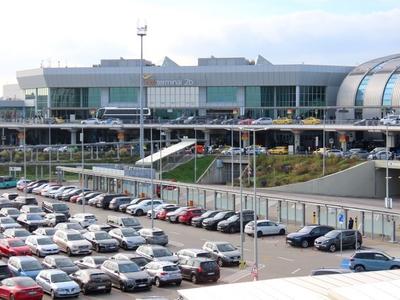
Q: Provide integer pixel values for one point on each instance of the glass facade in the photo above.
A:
(361, 91)
(312, 96)
(221, 94)
(41, 102)
(286, 96)
(388, 92)
(124, 95)
(65, 97)
(170, 97)
(91, 97)
(30, 94)
(259, 96)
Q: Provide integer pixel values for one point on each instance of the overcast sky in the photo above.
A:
(81, 32)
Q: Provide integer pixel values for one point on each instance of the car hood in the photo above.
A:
(172, 258)
(48, 247)
(108, 242)
(65, 285)
(20, 249)
(296, 234)
(136, 275)
(322, 239)
(12, 225)
(135, 239)
(79, 243)
(224, 223)
(35, 222)
(69, 270)
(211, 220)
(231, 253)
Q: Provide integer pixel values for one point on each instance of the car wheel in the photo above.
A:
(38, 253)
(69, 253)
(357, 245)
(259, 234)
(194, 279)
(157, 282)
(97, 248)
(220, 262)
(84, 291)
(395, 268)
(359, 268)
(304, 244)
(178, 283)
(122, 286)
(124, 245)
(282, 231)
(53, 295)
(107, 291)
(332, 248)
(139, 212)
(232, 230)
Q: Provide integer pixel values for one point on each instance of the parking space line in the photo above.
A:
(176, 244)
(286, 259)
(174, 232)
(295, 271)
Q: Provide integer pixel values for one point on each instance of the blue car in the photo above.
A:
(373, 260)
(24, 266)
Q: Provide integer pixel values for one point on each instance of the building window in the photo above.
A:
(65, 97)
(312, 96)
(361, 91)
(30, 94)
(259, 96)
(91, 97)
(286, 96)
(388, 92)
(172, 97)
(42, 96)
(124, 95)
(226, 94)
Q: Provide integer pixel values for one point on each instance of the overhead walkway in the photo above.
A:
(146, 162)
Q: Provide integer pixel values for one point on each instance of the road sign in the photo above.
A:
(331, 141)
(15, 169)
(341, 218)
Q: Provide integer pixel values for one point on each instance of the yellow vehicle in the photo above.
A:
(282, 121)
(59, 120)
(281, 150)
(320, 151)
(311, 121)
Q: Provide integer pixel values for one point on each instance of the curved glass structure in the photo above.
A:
(361, 91)
(388, 92)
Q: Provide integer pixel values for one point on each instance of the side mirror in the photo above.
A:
(151, 255)
(216, 251)
(116, 272)
(19, 270)
(142, 268)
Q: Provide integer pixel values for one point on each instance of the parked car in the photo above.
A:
(265, 227)
(22, 200)
(22, 183)
(212, 223)
(91, 121)
(143, 207)
(37, 190)
(282, 121)
(99, 227)
(4, 271)
(191, 253)
(31, 221)
(49, 189)
(262, 121)
(154, 236)
(10, 196)
(57, 283)
(162, 214)
(90, 262)
(128, 238)
(92, 280)
(60, 262)
(198, 221)
(233, 151)
(24, 266)
(306, 236)
(83, 219)
(134, 257)
(246, 122)
(334, 239)
(20, 233)
(6, 203)
(310, 121)
(334, 153)
(232, 224)
(279, 150)
(20, 288)
(10, 212)
(158, 208)
(164, 272)
(72, 242)
(186, 216)
(381, 155)
(105, 199)
(357, 153)
(69, 226)
(8, 222)
(123, 207)
(373, 260)
(223, 252)
(118, 201)
(101, 241)
(41, 245)
(87, 196)
(156, 253)
(63, 190)
(126, 275)
(199, 269)
(13, 247)
(118, 222)
(61, 208)
(390, 119)
(52, 219)
(329, 271)
(45, 231)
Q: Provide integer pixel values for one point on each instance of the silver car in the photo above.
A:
(69, 226)
(20, 233)
(45, 231)
(101, 241)
(164, 272)
(72, 242)
(41, 245)
(157, 253)
(10, 212)
(60, 262)
(128, 238)
(154, 236)
(31, 221)
(57, 283)
(8, 222)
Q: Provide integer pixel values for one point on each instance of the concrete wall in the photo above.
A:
(358, 181)
(216, 174)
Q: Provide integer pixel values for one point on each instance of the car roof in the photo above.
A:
(153, 246)
(202, 259)
(92, 271)
(130, 255)
(164, 263)
(194, 250)
(82, 214)
(218, 242)
(53, 271)
(25, 258)
(57, 256)
(68, 231)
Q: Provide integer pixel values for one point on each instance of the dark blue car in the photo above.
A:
(373, 260)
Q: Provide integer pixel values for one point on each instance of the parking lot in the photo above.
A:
(276, 258)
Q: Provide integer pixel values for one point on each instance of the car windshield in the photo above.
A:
(220, 215)
(24, 282)
(16, 243)
(75, 226)
(128, 233)
(233, 218)
(128, 268)
(35, 210)
(102, 236)
(30, 265)
(171, 268)
(61, 277)
(162, 252)
(7, 221)
(158, 233)
(306, 229)
(64, 262)
(34, 217)
(225, 247)
(50, 231)
(12, 211)
(99, 260)
(332, 234)
(21, 233)
(74, 237)
(140, 261)
(129, 221)
(44, 241)
(60, 207)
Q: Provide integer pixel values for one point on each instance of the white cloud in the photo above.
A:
(83, 32)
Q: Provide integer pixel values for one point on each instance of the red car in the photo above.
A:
(162, 214)
(20, 288)
(74, 198)
(13, 247)
(186, 216)
(246, 122)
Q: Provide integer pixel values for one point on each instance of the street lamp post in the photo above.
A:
(241, 194)
(232, 169)
(388, 201)
(160, 149)
(49, 152)
(25, 155)
(151, 174)
(141, 31)
(82, 166)
(323, 146)
(195, 155)
(255, 207)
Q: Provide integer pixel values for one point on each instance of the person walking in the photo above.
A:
(351, 223)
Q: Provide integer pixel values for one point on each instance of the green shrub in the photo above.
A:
(5, 155)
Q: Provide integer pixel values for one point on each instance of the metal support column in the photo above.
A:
(393, 238)
(319, 215)
(363, 223)
(346, 217)
(178, 196)
(303, 217)
(233, 202)
(279, 210)
(372, 225)
(383, 226)
(266, 208)
(205, 199)
(187, 196)
(215, 200)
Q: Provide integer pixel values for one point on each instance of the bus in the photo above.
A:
(7, 182)
(125, 114)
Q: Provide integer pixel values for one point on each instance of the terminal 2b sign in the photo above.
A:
(150, 81)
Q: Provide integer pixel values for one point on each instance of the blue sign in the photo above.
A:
(341, 218)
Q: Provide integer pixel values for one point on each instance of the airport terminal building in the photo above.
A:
(216, 86)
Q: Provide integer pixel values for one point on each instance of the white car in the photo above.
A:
(390, 119)
(70, 225)
(233, 150)
(128, 238)
(10, 212)
(143, 207)
(41, 245)
(57, 283)
(91, 121)
(265, 227)
(8, 222)
(45, 191)
(334, 153)
(32, 209)
(84, 219)
(72, 242)
(262, 121)
(20, 233)
(45, 231)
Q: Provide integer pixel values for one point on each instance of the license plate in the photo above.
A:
(32, 293)
(141, 285)
(289, 241)
(211, 273)
(101, 287)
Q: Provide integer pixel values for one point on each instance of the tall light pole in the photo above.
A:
(232, 169)
(255, 207)
(241, 194)
(323, 146)
(388, 201)
(49, 151)
(152, 185)
(195, 155)
(141, 31)
(160, 149)
(82, 166)
(25, 154)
